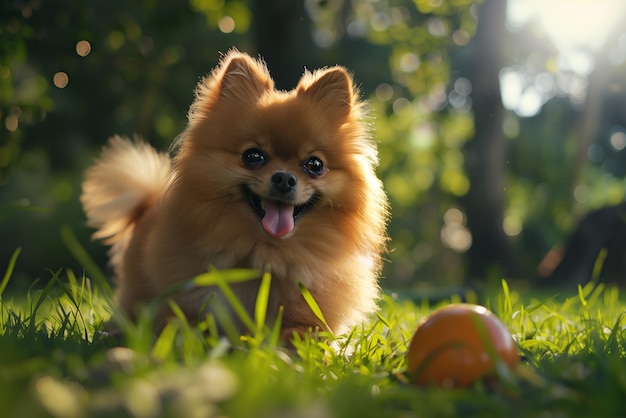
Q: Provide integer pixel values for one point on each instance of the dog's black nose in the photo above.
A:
(284, 182)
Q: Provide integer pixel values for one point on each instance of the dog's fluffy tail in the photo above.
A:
(119, 188)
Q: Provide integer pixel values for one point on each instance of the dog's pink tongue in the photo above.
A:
(278, 219)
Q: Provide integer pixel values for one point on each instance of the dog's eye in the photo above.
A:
(314, 167)
(253, 158)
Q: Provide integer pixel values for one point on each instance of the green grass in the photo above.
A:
(55, 362)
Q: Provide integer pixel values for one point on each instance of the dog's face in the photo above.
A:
(276, 158)
(279, 190)
(290, 164)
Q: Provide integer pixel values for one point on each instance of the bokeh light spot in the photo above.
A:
(618, 140)
(60, 79)
(83, 48)
(11, 123)
(226, 24)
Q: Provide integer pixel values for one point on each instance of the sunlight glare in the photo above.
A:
(570, 24)
(579, 29)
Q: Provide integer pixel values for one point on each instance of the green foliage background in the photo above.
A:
(409, 57)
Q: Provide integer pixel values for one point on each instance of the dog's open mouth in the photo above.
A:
(277, 217)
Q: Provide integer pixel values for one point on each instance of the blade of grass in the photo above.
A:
(79, 253)
(310, 300)
(507, 305)
(209, 327)
(503, 371)
(262, 300)
(581, 295)
(226, 323)
(178, 313)
(383, 320)
(235, 303)
(75, 300)
(214, 277)
(42, 296)
(9, 271)
(275, 335)
(595, 294)
(165, 342)
(598, 264)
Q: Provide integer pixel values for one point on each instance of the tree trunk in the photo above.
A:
(281, 33)
(485, 153)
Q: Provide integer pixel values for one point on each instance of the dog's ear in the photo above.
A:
(331, 88)
(237, 79)
(242, 77)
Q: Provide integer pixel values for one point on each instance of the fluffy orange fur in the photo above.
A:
(302, 159)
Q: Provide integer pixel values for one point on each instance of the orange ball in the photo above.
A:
(456, 345)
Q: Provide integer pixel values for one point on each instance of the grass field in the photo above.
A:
(55, 362)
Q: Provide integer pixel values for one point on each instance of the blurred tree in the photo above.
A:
(282, 31)
(486, 153)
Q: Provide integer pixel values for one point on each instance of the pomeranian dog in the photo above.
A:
(279, 181)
